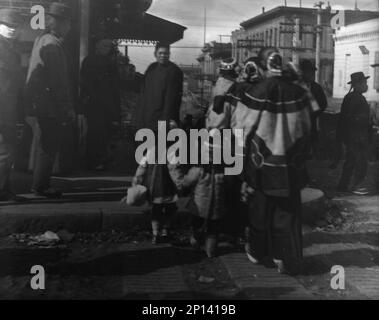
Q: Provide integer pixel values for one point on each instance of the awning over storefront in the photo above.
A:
(146, 28)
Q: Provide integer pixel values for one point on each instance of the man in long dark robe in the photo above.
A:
(161, 93)
(354, 131)
(101, 99)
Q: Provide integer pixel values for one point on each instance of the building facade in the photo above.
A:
(276, 28)
(210, 59)
(121, 19)
(357, 49)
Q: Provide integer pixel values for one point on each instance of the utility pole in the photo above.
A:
(205, 41)
(296, 42)
(319, 30)
(205, 23)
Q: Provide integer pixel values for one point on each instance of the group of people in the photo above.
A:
(276, 110)
(278, 107)
(47, 97)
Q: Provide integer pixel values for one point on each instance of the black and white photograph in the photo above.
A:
(201, 151)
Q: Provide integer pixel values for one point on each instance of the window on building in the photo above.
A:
(376, 71)
(271, 38)
(347, 70)
(276, 37)
(365, 59)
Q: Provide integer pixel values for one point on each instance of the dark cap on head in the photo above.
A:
(357, 77)
(307, 65)
(10, 17)
(101, 36)
(60, 11)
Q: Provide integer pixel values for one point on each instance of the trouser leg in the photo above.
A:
(348, 169)
(287, 230)
(169, 211)
(96, 145)
(47, 150)
(275, 227)
(258, 221)
(234, 221)
(6, 160)
(362, 155)
(156, 218)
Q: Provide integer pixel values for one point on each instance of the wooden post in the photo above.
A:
(296, 42)
(318, 40)
(84, 28)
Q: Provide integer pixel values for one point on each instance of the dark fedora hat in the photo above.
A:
(60, 11)
(357, 77)
(306, 65)
(10, 17)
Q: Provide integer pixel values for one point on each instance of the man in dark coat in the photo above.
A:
(11, 84)
(101, 99)
(354, 131)
(161, 93)
(49, 94)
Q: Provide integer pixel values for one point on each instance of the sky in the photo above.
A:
(223, 16)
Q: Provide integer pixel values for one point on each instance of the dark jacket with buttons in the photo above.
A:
(161, 95)
(355, 124)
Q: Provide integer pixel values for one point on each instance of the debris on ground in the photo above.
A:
(49, 238)
(66, 236)
(333, 219)
(206, 280)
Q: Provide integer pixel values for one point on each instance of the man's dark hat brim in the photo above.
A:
(10, 18)
(358, 80)
(60, 11)
(59, 17)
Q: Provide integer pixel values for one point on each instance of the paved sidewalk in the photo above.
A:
(258, 282)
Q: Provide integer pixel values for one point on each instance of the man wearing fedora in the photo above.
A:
(354, 131)
(11, 85)
(49, 94)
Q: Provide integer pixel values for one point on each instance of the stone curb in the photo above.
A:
(101, 216)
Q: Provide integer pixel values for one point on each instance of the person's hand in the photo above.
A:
(135, 181)
(246, 192)
(173, 125)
